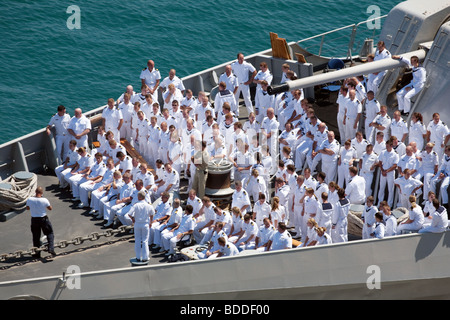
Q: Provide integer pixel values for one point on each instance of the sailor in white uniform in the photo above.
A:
(339, 219)
(387, 161)
(368, 218)
(281, 239)
(172, 78)
(141, 214)
(112, 118)
(443, 175)
(382, 122)
(375, 79)
(414, 87)
(180, 233)
(261, 210)
(329, 150)
(355, 191)
(367, 165)
(415, 220)
(69, 163)
(439, 222)
(352, 116)
(230, 79)
(241, 69)
(91, 181)
(150, 77)
(168, 224)
(438, 133)
(265, 233)
(225, 95)
(429, 167)
(240, 198)
(399, 127)
(372, 107)
(79, 128)
(60, 121)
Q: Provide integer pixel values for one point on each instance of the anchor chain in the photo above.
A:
(94, 236)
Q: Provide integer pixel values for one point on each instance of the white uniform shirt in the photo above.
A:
(333, 146)
(356, 189)
(438, 132)
(60, 123)
(112, 118)
(150, 77)
(399, 128)
(177, 82)
(78, 125)
(388, 159)
(38, 206)
(360, 147)
(368, 160)
(240, 199)
(281, 241)
(353, 107)
(429, 161)
(231, 81)
(242, 70)
(141, 212)
(384, 122)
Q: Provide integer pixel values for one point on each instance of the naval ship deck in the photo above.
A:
(69, 222)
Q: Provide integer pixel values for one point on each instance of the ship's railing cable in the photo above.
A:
(94, 236)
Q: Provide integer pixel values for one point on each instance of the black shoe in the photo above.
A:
(52, 252)
(36, 256)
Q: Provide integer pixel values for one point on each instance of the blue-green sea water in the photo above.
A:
(43, 63)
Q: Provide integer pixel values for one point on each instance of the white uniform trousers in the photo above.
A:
(299, 226)
(374, 84)
(414, 226)
(404, 98)
(169, 240)
(123, 217)
(75, 181)
(312, 163)
(350, 132)
(370, 131)
(443, 188)
(198, 235)
(389, 180)
(62, 147)
(60, 173)
(141, 241)
(339, 233)
(368, 176)
(366, 231)
(153, 153)
(95, 199)
(343, 175)
(158, 233)
(126, 132)
(245, 89)
(427, 176)
(341, 127)
(153, 228)
(111, 208)
(330, 170)
(85, 188)
(303, 149)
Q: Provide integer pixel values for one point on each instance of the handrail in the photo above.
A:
(353, 32)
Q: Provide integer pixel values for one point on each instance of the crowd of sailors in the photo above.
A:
(316, 178)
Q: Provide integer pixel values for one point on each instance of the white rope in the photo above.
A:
(16, 197)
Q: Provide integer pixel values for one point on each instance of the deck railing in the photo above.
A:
(343, 41)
